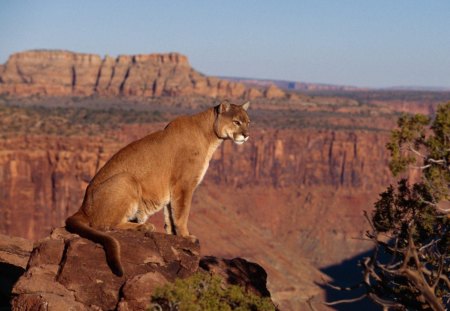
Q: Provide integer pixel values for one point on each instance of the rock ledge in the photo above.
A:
(67, 272)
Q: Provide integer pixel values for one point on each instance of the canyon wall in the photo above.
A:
(62, 73)
(285, 195)
(277, 180)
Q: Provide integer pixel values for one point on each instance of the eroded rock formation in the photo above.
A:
(284, 194)
(14, 255)
(62, 73)
(66, 272)
(43, 177)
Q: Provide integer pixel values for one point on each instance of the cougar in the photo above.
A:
(159, 171)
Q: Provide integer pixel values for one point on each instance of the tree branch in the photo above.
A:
(342, 288)
(383, 302)
(416, 152)
(345, 300)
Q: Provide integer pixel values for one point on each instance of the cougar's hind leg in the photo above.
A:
(115, 202)
(146, 227)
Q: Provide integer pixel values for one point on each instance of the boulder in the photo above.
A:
(67, 272)
(14, 255)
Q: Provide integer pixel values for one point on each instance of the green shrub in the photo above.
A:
(202, 291)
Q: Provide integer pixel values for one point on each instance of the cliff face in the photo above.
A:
(42, 178)
(286, 193)
(282, 158)
(60, 73)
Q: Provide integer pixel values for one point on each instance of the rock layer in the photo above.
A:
(62, 73)
(14, 255)
(43, 178)
(284, 194)
(68, 272)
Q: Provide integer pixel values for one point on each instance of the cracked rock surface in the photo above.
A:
(14, 255)
(67, 272)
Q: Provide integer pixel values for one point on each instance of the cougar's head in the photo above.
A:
(232, 122)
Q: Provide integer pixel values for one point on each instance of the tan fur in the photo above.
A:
(158, 171)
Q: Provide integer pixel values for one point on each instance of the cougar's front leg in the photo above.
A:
(181, 205)
(169, 225)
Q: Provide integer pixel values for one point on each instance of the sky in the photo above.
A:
(372, 43)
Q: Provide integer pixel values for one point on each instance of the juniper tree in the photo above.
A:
(409, 268)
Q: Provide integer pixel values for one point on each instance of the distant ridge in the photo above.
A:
(65, 73)
(417, 88)
(314, 87)
(293, 85)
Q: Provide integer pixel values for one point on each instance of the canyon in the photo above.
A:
(291, 199)
(43, 177)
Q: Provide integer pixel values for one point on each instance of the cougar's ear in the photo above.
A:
(224, 106)
(245, 106)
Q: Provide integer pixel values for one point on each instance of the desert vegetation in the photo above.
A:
(203, 291)
(87, 116)
(409, 268)
(67, 121)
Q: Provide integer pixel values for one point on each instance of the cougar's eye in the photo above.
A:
(238, 123)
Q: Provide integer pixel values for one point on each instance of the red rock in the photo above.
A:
(59, 73)
(274, 92)
(310, 188)
(135, 291)
(15, 251)
(48, 301)
(76, 276)
(78, 271)
(14, 256)
(253, 93)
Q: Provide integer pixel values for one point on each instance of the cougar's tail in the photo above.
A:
(78, 224)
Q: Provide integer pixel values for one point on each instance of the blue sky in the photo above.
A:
(377, 43)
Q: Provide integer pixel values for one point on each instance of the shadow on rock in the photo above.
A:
(14, 255)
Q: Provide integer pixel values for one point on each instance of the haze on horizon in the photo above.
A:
(360, 43)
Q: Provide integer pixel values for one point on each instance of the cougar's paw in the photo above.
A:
(147, 227)
(192, 238)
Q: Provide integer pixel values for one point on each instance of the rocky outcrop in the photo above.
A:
(15, 251)
(66, 272)
(14, 255)
(63, 73)
(274, 92)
